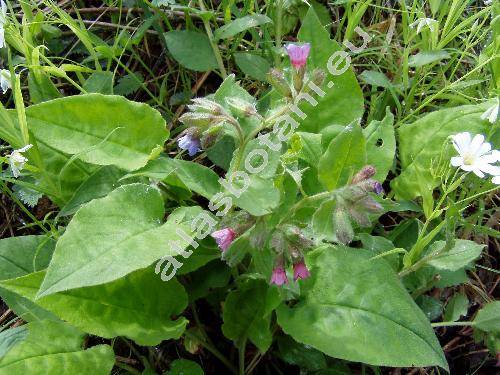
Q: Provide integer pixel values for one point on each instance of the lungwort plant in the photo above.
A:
(279, 228)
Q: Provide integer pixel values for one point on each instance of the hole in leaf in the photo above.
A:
(380, 142)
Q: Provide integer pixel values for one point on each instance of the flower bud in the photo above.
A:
(318, 76)
(343, 227)
(359, 216)
(365, 173)
(370, 204)
(206, 106)
(276, 78)
(241, 108)
(198, 119)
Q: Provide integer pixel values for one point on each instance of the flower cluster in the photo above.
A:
(476, 156)
(17, 160)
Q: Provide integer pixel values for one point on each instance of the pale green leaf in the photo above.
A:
(488, 318)
(191, 49)
(99, 129)
(110, 237)
(381, 145)
(343, 101)
(460, 255)
(345, 156)
(241, 24)
(137, 306)
(56, 348)
(351, 304)
(252, 65)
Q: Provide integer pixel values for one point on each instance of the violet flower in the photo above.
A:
(190, 143)
(300, 271)
(377, 188)
(224, 238)
(298, 54)
(279, 276)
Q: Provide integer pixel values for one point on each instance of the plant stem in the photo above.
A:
(241, 356)
(214, 45)
(452, 324)
(213, 350)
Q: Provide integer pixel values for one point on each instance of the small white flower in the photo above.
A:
(475, 155)
(487, 2)
(422, 22)
(17, 160)
(5, 80)
(3, 21)
(491, 113)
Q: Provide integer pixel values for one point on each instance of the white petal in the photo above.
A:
(485, 147)
(457, 161)
(476, 143)
(461, 141)
(25, 148)
(492, 118)
(488, 159)
(496, 180)
(490, 169)
(478, 173)
(467, 167)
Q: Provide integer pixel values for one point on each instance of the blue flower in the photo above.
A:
(190, 143)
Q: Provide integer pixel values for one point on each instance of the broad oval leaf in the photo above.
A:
(381, 145)
(345, 156)
(137, 306)
(99, 129)
(488, 318)
(343, 101)
(56, 348)
(110, 237)
(191, 49)
(252, 65)
(352, 304)
(460, 255)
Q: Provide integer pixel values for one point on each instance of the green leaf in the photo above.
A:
(422, 141)
(488, 318)
(312, 149)
(245, 315)
(99, 129)
(110, 237)
(376, 79)
(194, 176)
(343, 102)
(456, 308)
(41, 87)
(241, 24)
(182, 44)
(427, 57)
(22, 255)
(300, 355)
(137, 306)
(101, 182)
(322, 221)
(460, 255)
(381, 145)
(259, 198)
(252, 65)
(129, 84)
(345, 156)
(11, 337)
(99, 82)
(351, 304)
(184, 367)
(56, 348)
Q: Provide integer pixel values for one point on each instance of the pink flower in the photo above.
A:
(224, 238)
(279, 276)
(298, 54)
(300, 271)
